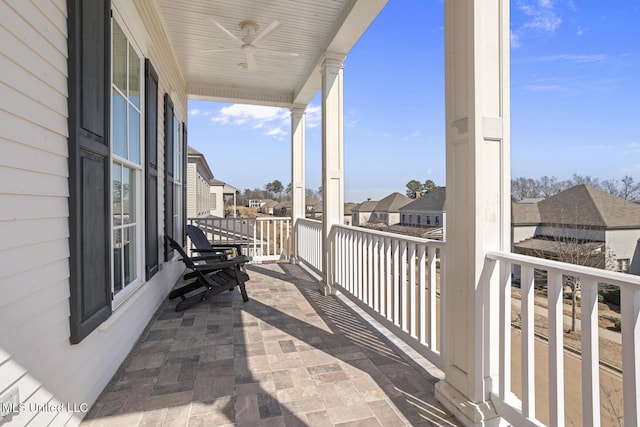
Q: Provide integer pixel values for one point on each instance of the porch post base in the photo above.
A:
(325, 289)
(467, 412)
(293, 260)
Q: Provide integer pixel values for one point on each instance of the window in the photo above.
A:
(126, 165)
(410, 219)
(418, 219)
(428, 220)
(403, 220)
(623, 265)
(437, 220)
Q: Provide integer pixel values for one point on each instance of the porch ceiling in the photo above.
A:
(308, 28)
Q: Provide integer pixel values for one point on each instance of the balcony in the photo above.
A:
(289, 356)
(373, 352)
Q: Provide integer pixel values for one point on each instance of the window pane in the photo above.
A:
(134, 77)
(134, 135)
(177, 163)
(116, 179)
(129, 254)
(119, 131)
(128, 196)
(119, 58)
(117, 261)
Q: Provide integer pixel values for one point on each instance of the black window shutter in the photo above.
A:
(184, 184)
(89, 84)
(151, 171)
(168, 172)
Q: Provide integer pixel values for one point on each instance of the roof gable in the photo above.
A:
(589, 207)
(392, 203)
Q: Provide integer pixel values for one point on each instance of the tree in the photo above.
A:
(275, 188)
(428, 187)
(413, 188)
(525, 188)
(570, 242)
(629, 190)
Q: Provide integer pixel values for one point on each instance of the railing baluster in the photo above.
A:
(630, 309)
(376, 275)
(504, 388)
(590, 354)
(404, 309)
(556, 349)
(388, 278)
(413, 303)
(430, 331)
(370, 271)
(396, 282)
(528, 348)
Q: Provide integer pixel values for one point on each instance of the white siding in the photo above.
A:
(35, 354)
(623, 244)
(191, 190)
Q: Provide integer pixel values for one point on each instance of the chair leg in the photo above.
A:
(243, 291)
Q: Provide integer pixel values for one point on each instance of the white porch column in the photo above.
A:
(332, 157)
(478, 201)
(298, 191)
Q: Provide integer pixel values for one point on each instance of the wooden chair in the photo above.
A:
(204, 246)
(215, 275)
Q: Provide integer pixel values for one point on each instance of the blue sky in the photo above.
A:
(575, 102)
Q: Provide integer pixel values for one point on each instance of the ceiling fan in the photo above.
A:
(249, 43)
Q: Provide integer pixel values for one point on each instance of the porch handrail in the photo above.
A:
(263, 238)
(395, 278)
(522, 412)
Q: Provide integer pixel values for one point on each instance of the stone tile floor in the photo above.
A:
(288, 357)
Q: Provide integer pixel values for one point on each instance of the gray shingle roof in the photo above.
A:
(433, 201)
(392, 203)
(587, 206)
(367, 206)
(525, 213)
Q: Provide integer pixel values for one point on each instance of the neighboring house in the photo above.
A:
(219, 190)
(282, 208)
(348, 211)
(584, 219)
(199, 176)
(387, 210)
(255, 203)
(267, 207)
(361, 213)
(426, 211)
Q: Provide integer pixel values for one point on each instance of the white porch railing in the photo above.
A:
(262, 238)
(522, 412)
(397, 279)
(308, 238)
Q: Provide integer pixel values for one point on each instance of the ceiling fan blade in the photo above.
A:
(227, 32)
(278, 53)
(251, 62)
(263, 34)
(220, 50)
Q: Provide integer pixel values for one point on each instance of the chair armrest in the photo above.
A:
(237, 261)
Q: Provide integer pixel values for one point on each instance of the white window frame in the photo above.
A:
(129, 288)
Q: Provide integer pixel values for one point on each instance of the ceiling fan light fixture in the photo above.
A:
(248, 22)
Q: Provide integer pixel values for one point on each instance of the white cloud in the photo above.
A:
(578, 59)
(633, 147)
(313, 116)
(273, 120)
(538, 17)
(413, 134)
(197, 112)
